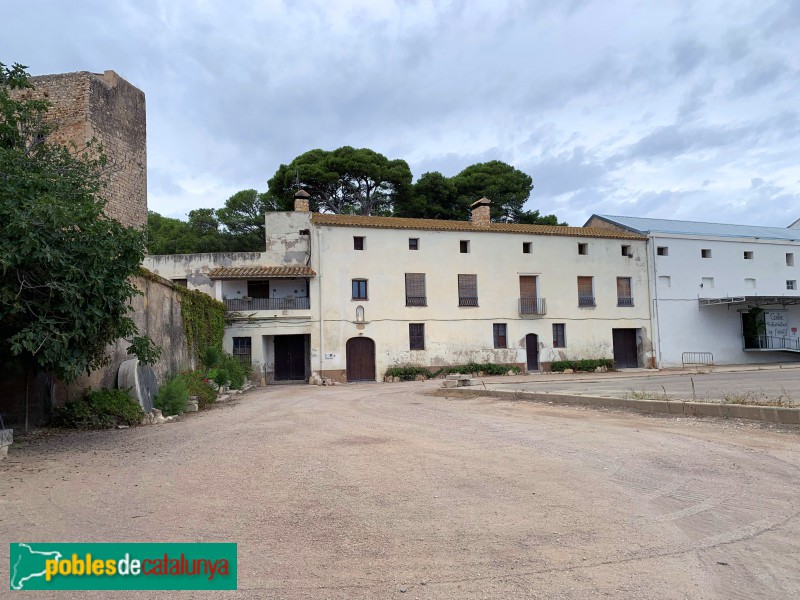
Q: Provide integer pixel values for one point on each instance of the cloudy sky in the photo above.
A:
(674, 109)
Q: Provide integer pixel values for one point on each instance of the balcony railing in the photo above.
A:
(416, 301)
(532, 306)
(466, 301)
(586, 301)
(239, 304)
(624, 301)
(774, 342)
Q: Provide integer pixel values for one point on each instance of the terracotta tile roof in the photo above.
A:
(441, 225)
(260, 271)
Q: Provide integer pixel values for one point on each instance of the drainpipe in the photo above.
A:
(319, 300)
(657, 329)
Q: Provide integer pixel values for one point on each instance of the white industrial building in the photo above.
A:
(728, 292)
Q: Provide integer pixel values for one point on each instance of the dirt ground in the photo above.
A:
(383, 491)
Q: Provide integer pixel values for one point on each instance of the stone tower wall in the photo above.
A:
(108, 108)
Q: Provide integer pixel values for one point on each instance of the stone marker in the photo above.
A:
(140, 381)
(6, 439)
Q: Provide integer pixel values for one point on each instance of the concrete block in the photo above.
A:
(788, 416)
(449, 383)
(458, 377)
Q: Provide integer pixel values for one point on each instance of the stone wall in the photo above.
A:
(108, 108)
(157, 313)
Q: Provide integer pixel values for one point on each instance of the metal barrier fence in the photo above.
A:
(697, 359)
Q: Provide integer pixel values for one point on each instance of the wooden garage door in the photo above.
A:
(625, 351)
(360, 359)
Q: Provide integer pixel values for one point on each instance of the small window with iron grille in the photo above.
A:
(583, 248)
(468, 290)
(242, 349)
(586, 292)
(464, 246)
(500, 338)
(359, 289)
(416, 336)
(624, 293)
(413, 243)
(559, 335)
(358, 242)
(415, 289)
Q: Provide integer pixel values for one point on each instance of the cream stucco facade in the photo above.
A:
(299, 295)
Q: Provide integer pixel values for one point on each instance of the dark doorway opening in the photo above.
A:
(290, 357)
(360, 359)
(532, 351)
(625, 352)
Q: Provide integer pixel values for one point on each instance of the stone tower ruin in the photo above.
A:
(108, 108)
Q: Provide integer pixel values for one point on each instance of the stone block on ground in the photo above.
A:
(140, 381)
(449, 383)
(6, 439)
(193, 405)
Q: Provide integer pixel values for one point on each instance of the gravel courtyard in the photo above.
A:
(383, 491)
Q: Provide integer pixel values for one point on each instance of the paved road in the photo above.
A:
(754, 386)
(366, 491)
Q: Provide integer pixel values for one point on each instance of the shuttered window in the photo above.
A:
(500, 338)
(416, 336)
(559, 335)
(527, 286)
(415, 289)
(585, 291)
(624, 293)
(467, 290)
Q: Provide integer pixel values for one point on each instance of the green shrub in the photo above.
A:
(172, 397)
(212, 358)
(238, 371)
(410, 372)
(99, 409)
(221, 377)
(584, 365)
(197, 384)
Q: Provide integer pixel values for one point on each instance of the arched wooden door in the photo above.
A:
(360, 359)
(532, 351)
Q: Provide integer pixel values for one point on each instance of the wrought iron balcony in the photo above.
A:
(467, 301)
(416, 301)
(586, 301)
(245, 304)
(624, 301)
(532, 306)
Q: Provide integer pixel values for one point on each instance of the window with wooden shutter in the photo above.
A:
(528, 296)
(415, 289)
(586, 291)
(500, 337)
(624, 294)
(416, 336)
(468, 290)
(559, 335)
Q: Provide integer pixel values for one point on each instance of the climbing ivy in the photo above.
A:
(203, 320)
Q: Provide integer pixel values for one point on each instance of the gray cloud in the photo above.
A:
(677, 104)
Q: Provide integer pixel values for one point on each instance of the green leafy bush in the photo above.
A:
(100, 409)
(238, 371)
(410, 372)
(220, 376)
(197, 384)
(212, 358)
(172, 397)
(583, 365)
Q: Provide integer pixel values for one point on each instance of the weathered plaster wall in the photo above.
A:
(195, 267)
(285, 244)
(157, 313)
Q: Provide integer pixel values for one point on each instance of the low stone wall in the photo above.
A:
(770, 414)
